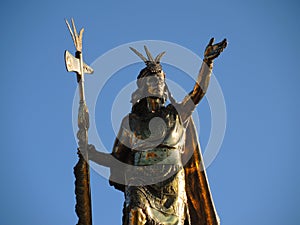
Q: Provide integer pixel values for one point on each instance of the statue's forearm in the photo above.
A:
(202, 82)
(101, 158)
(193, 98)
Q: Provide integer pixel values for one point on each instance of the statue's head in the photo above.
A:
(151, 79)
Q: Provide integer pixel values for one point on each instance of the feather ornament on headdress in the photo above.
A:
(153, 65)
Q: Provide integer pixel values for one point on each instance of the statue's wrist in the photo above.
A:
(208, 62)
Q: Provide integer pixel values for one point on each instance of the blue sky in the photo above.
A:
(254, 179)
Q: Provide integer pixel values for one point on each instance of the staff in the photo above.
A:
(81, 170)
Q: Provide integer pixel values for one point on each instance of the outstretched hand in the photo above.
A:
(212, 51)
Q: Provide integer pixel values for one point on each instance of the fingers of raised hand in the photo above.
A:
(222, 45)
(211, 41)
(212, 51)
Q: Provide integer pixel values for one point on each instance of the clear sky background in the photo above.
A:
(255, 177)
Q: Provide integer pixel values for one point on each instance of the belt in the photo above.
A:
(157, 156)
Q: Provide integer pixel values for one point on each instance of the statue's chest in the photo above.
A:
(152, 125)
(153, 129)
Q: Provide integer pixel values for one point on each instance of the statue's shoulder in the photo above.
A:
(125, 118)
(125, 122)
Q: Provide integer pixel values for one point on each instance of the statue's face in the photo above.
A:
(156, 84)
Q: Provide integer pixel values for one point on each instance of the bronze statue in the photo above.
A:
(169, 184)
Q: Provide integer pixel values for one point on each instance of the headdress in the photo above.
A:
(152, 65)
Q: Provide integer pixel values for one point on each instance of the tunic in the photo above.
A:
(165, 179)
(157, 185)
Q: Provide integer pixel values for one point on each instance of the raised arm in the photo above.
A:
(211, 52)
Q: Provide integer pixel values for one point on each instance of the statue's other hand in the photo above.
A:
(212, 51)
(91, 150)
